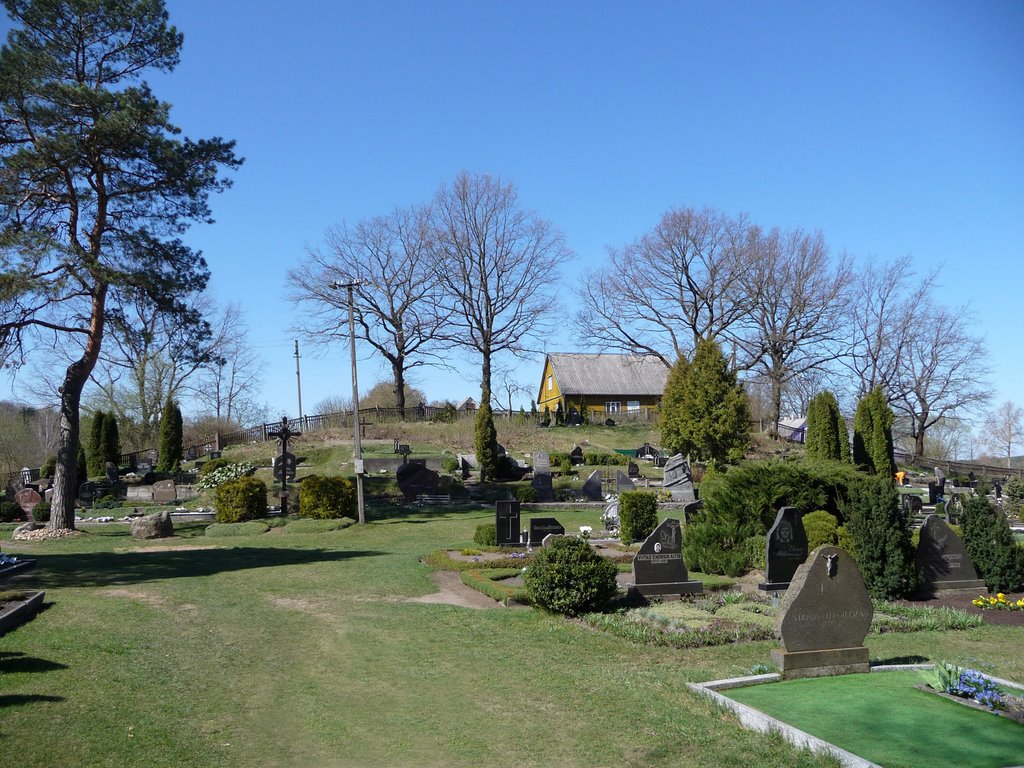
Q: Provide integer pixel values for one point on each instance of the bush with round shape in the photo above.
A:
(242, 499)
(327, 498)
(638, 515)
(526, 494)
(41, 512)
(212, 466)
(449, 464)
(820, 528)
(486, 535)
(570, 578)
(9, 512)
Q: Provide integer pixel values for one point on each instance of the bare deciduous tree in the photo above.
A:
(882, 311)
(943, 369)
(684, 281)
(396, 308)
(796, 313)
(495, 267)
(1003, 429)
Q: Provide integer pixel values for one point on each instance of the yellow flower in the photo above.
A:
(1000, 596)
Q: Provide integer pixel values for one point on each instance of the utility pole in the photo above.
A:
(298, 379)
(355, 396)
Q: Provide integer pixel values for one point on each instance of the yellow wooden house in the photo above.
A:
(610, 385)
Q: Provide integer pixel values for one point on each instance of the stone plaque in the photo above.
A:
(622, 482)
(824, 618)
(164, 492)
(541, 463)
(592, 489)
(786, 549)
(27, 498)
(284, 466)
(576, 456)
(944, 562)
(139, 493)
(87, 492)
(544, 526)
(658, 567)
(110, 471)
(506, 520)
(192, 454)
(632, 469)
(414, 478)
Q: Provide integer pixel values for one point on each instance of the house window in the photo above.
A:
(551, 383)
(613, 406)
(632, 406)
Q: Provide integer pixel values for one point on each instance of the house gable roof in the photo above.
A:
(579, 373)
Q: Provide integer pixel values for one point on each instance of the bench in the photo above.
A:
(433, 499)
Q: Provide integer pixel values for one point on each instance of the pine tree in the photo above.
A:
(94, 450)
(169, 459)
(704, 410)
(110, 441)
(872, 435)
(881, 535)
(486, 439)
(81, 467)
(584, 415)
(844, 441)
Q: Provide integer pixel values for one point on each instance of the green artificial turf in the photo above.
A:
(882, 717)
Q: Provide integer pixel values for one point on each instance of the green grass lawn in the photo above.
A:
(294, 649)
(884, 718)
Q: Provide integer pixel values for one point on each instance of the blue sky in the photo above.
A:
(896, 128)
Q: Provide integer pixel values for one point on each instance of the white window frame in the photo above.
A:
(551, 383)
(613, 406)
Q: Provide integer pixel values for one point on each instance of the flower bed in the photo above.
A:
(17, 607)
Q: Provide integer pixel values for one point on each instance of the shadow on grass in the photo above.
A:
(97, 569)
(17, 662)
(903, 660)
(14, 699)
(396, 513)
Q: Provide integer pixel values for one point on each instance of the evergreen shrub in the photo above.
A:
(327, 497)
(991, 545)
(527, 494)
(638, 515)
(881, 536)
(820, 528)
(570, 578)
(486, 535)
(41, 512)
(244, 498)
(9, 512)
(212, 466)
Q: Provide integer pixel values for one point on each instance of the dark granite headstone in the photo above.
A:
(164, 492)
(544, 526)
(506, 521)
(622, 482)
(786, 549)
(110, 472)
(592, 487)
(933, 492)
(824, 618)
(690, 509)
(678, 479)
(542, 484)
(501, 451)
(191, 454)
(944, 562)
(632, 469)
(27, 498)
(87, 492)
(414, 478)
(143, 466)
(576, 456)
(658, 568)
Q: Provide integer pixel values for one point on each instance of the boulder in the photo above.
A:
(155, 526)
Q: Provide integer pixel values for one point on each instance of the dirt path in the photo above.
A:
(451, 591)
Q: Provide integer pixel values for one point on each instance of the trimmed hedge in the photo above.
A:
(314, 525)
(327, 498)
(638, 515)
(570, 578)
(821, 528)
(242, 499)
(250, 528)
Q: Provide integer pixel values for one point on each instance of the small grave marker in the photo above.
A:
(592, 487)
(541, 527)
(164, 492)
(27, 498)
(658, 568)
(786, 549)
(506, 520)
(944, 562)
(622, 482)
(678, 479)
